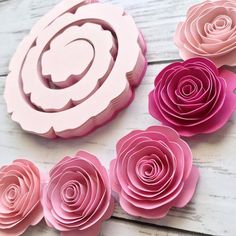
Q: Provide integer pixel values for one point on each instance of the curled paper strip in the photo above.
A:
(20, 207)
(153, 172)
(77, 198)
(209, 31)
(75, 70)
(193, 96)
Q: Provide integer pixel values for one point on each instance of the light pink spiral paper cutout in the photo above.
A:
(75, 70)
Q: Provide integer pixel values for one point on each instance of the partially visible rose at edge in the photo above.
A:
(209, 30)
(20, 207)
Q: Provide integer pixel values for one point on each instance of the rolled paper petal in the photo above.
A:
(20, 207)
(153, 172)
(75, 70)
(193, 96)
(77, 198)
(209, 31)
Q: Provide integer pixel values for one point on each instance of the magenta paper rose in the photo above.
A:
(153, 172)
(209, 31)
(77, 198)
(20, 205)
(193, 96)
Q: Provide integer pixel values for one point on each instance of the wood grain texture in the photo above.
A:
(156, 18)
(212, 209)
(115, 227)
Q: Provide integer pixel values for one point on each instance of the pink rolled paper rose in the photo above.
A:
(77, 198)
(153, 172)
(193, 96)
(20, 206)
(209, 31)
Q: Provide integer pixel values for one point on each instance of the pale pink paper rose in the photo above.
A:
(77, 198)
(20, 207)
(209, 31)
(153, 172)
(193, 96)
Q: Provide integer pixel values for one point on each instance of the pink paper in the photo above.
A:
(20, 207)
(77, 198)
(193, 97)
(75, 70)
(153, 172)
(209, 31)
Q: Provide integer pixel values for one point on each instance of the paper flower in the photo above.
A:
(193, 96)
(78, 196)
(75, 70)
(20, 206)
(209, 31)
(153, 172)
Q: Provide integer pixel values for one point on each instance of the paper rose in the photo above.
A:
(209, 31)
(77, 198)
(153, 172)
(193, 96)
(76, 69)
(20, 206)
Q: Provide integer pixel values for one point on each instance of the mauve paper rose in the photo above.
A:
(193, 96)
(209, 31)
(77, 198)
(20, 206)
(153, 172)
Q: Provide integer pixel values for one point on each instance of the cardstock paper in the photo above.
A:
(75, 70)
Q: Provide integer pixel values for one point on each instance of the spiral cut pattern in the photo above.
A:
(75, 70)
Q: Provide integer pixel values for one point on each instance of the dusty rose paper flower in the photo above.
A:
(209, 31)
(77, 198)
(153, 172)
(193, 96)
(20, 205)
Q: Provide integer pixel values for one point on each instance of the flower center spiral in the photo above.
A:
(11, 194)
(222, 22)
(220, 28)
(148, 168)
(189, 88)
(70, 191)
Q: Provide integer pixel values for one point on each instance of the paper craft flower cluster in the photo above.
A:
(75, 70)
(152, 172)
(194, 96)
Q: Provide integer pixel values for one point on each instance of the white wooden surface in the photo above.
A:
(213, 208)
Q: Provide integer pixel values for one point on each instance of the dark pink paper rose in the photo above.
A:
(77, 198)
(153, 172)
(20, 206)
(193, 96)
(209, 31)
